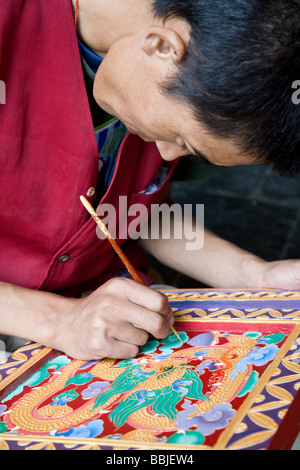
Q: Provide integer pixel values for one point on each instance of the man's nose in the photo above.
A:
(169, 150)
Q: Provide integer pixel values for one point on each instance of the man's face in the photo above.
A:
(127, 86)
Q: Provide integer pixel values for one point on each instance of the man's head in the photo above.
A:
(237, 73)
(205, 77)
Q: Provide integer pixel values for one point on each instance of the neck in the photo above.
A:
(102, 22)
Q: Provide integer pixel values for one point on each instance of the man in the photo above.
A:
(211, 79)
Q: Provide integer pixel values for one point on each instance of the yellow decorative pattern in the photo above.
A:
(263, 409)
(215, 294)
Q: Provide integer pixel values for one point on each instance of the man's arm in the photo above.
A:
(112, 322)
(220, 263)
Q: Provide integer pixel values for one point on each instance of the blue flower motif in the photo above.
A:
(92, 429)
(180, 386)
(140, 373)
(141, 394)
(208, 364)
(94, 389)
(208, 422)
(200, 353)
(204, 339)
(257, 357)
(60, 401)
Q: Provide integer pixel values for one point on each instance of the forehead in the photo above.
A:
(205, 144)
(221, 151)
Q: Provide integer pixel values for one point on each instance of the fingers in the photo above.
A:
(110, 337)
(139, 294)
(125, 318)
(145, 308)
(283, 274)
(127, 341)
(130, 334)
(117, 319)
(114, 349)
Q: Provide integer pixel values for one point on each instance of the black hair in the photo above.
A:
(238, 71)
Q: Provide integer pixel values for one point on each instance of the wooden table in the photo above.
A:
(232, 384)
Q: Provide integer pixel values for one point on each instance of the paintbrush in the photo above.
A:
(116, 247)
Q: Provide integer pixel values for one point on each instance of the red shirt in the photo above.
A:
(49, 157)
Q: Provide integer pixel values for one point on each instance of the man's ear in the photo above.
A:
(166, 43)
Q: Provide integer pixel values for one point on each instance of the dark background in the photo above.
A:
(251, 206)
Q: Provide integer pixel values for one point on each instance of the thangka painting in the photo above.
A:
(231, 383)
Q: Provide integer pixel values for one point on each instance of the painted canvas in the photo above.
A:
(230, 383)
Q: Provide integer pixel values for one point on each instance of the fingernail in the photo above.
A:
(171, 321)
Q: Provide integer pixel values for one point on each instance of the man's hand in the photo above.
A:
(283, 275)
(114, 321)
(222, 264)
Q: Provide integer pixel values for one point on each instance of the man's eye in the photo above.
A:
(183, 148)
(188, 153)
